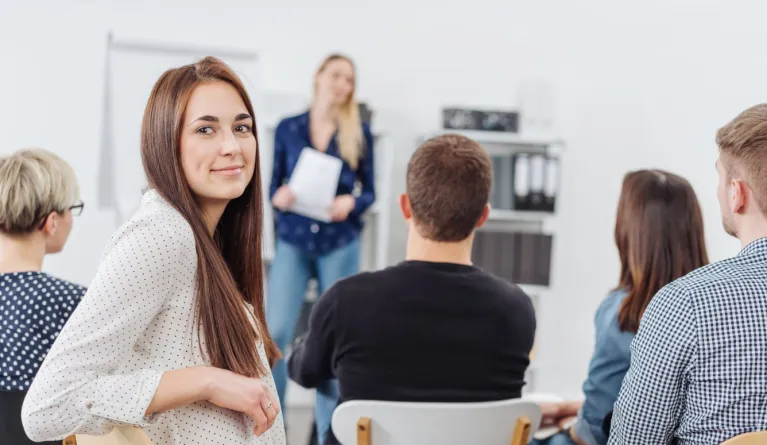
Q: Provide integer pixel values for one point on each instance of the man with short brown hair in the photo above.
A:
(433, 328)
(448, 186)
(698, 371)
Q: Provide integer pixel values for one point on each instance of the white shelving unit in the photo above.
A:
(498, 143)
(517, 215)
(506, 139)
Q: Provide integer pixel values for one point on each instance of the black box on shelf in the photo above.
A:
(522, 258)
(482, 120)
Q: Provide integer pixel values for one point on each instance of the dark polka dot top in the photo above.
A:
(34, 307)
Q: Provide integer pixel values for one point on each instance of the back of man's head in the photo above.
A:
(743, 157)
(448, 185)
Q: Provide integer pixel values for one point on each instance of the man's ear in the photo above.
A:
(739, 196)
(483, 218)
(404, 206)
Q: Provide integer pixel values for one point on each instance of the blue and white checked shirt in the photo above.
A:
(699, 361)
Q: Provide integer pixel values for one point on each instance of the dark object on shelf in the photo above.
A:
(366, 114)
(489, 120)
(502, 193)
(522, 258)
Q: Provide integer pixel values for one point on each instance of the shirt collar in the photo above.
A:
(759, 245)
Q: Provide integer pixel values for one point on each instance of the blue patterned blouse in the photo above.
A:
(312, 236)
(34, 306)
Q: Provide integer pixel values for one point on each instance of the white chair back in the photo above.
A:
(756, 438)
(506, 422)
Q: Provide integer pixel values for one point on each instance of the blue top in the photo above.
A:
(312, 236)
(609, 364)
(34, 307)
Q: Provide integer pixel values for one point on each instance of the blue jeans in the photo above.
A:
(289, 276)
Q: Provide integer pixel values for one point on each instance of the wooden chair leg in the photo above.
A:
(363, 431)
(521, 432)
(71, 440)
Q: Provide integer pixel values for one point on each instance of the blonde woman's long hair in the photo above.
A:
(351, 142)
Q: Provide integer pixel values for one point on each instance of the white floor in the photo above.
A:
(299, 425)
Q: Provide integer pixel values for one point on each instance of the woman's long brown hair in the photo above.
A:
(659, 235)
(229, 264)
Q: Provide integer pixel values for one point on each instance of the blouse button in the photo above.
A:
(315, 228)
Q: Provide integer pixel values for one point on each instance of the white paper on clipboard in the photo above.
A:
(314, 182)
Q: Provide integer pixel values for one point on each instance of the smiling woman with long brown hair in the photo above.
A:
(171, 335)
(659, 236)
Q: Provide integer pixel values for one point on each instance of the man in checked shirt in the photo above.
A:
(699, 361)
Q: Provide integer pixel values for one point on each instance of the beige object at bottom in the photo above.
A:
(119, 436)
(759, 438)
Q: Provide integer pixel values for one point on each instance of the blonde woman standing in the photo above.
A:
(307, 247)
(38, 197)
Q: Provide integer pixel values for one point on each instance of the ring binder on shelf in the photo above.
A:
(552, 184)
(502, 196)
(537, 179)
(535, 182)
(521, 181)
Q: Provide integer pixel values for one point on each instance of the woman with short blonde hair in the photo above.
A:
(34, 183)
(38, 196)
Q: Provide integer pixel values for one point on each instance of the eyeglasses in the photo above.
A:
(76, 210)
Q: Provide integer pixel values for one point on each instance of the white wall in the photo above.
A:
(641, 85)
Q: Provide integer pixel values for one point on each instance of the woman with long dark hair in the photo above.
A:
(659, 235)
(171, 335)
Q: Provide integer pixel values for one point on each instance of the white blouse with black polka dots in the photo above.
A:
(135, 322)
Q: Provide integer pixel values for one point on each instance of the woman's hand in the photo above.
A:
(250, 396)
(341, 208)
(284, 198)
(551, 413)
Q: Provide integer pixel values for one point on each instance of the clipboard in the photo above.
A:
(314, 182)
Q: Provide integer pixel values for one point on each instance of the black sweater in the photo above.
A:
(419, 331)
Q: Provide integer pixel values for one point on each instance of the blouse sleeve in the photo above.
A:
(77, 390)
(604, 375)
